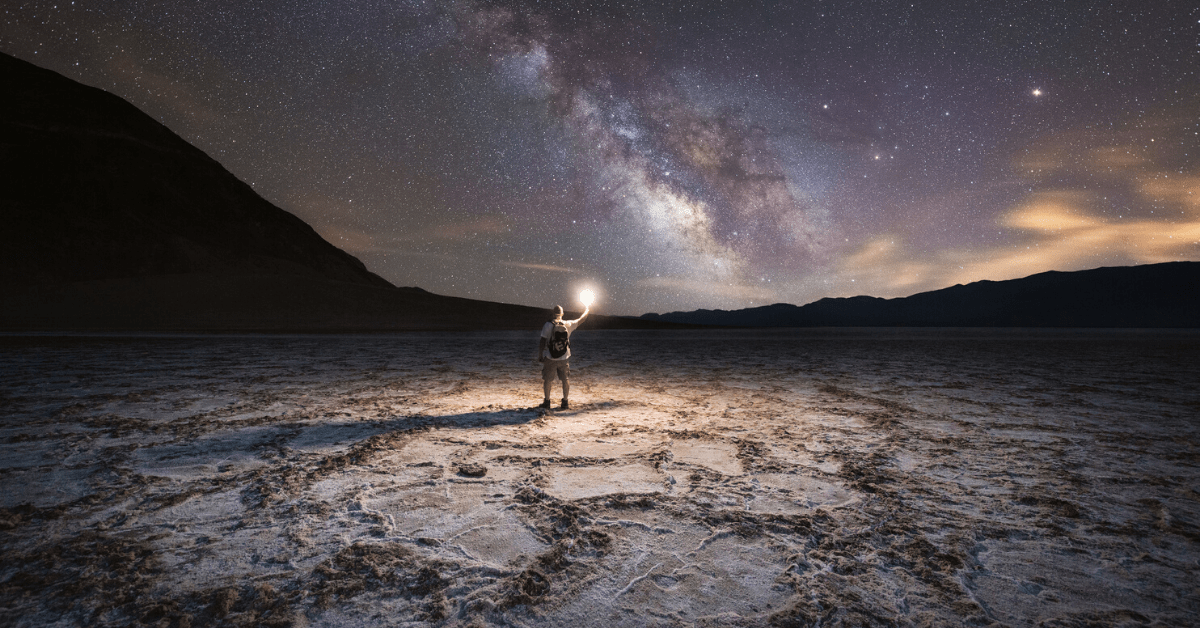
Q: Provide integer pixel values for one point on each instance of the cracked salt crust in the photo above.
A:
(804, 477)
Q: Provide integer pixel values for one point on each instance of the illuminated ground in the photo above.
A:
(869, 477)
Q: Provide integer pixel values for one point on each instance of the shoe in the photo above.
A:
(564, 405)
(545, 404)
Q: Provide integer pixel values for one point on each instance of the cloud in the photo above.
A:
(1101, 197)
(1172, 189)
(132, 61)
(357, 240)
(545, 267)
(1052, 213)
(730, 291)
(483, 225)
(354, 241)
(1056, 231)
(1065, 235)
(883, 266)
(1109, 197)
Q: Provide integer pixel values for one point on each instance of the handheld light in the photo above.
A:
(586, 297)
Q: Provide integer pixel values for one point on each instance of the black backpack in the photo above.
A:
(560, 339)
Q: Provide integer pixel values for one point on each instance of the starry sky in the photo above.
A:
(677, 155)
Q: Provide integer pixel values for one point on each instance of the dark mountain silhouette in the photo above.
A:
(1155, 295)
(111, 221)
(100, 190)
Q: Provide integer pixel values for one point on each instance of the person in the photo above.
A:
(554, 351)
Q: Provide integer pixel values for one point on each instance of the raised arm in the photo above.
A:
(586, 309)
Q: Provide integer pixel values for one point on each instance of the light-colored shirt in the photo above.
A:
(548, 330)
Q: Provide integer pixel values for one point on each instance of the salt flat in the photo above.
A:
(742, 478)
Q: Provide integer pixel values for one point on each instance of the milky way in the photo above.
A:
(677, 155)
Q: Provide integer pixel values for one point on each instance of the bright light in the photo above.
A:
(586, 297)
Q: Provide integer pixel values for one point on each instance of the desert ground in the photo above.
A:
(852, 477)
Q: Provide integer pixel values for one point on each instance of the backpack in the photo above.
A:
(560, 339)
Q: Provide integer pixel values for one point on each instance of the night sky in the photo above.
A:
(677, 155)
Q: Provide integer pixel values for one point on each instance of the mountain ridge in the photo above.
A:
(1152, 295)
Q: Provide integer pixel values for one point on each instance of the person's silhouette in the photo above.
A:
(554, 351)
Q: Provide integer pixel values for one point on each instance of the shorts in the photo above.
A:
(550, 368)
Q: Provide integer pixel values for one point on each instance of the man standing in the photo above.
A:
(554, 350)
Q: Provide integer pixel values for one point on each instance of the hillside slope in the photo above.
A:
(100, 190)
(1154, 295)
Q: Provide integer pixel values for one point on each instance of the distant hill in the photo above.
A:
(110, 221)
(1154, 295)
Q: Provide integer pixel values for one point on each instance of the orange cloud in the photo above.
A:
(1061, 228)
(1172, 188)
(883, 266)
(1052, 212)
(1058, 234)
